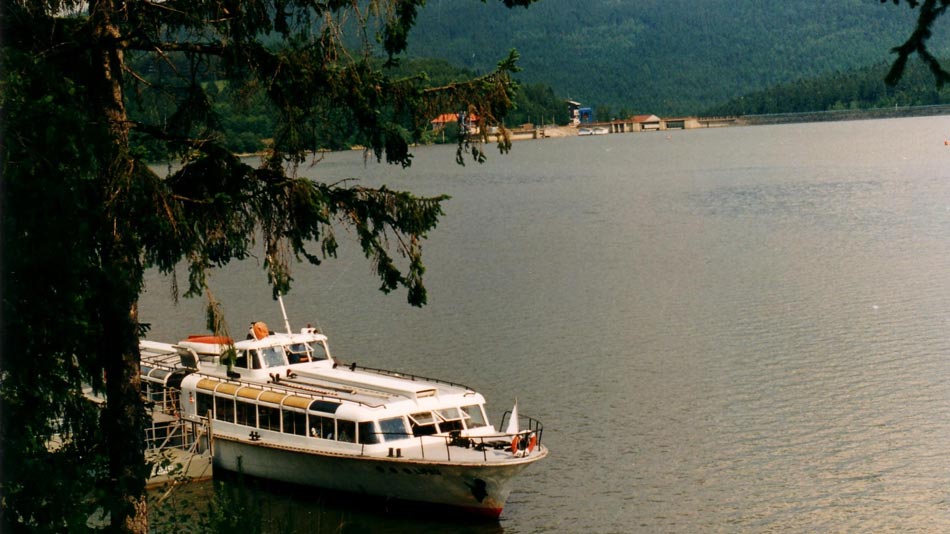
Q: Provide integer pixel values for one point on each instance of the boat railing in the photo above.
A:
(524, 421)
(161, 399)
(169, 359)
(168, 430)
(285, 385)
(520, 444)
(171, 447)
(407, 376)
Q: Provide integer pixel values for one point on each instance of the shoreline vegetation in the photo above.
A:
(246, 122)
(530, 132)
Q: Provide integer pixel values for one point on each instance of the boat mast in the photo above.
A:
(283, 310)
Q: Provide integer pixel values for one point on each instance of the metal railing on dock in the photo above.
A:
(178, 449)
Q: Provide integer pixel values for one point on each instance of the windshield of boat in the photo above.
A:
(298, 352)
(320, 351)
(306, 352)
(474, 417)
(273, 356)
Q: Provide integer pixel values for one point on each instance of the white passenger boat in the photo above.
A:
(286, 410)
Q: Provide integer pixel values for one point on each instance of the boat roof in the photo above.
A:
(327, 380)
(216, 345)
(359, 391)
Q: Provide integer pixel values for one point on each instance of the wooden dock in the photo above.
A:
(179, 451)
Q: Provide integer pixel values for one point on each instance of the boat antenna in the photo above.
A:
(283, 310)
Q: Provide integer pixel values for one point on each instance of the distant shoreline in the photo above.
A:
(554, 131)
(844, 115)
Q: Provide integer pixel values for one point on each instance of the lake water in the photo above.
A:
(734, 330)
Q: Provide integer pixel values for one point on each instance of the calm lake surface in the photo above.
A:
(732, 330)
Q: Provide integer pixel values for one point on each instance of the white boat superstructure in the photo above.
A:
(285, 410)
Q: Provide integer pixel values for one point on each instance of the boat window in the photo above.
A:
(298, 353)
(224, 409)
(318, 351)
(245, 413)
(321, 427)
(273, 356)
(240, 360)
(368, 433)
(393, 429)
(159, 394)
(423, 424)
(268, 418)
(422, 418)
(295, 422)
(324, 406)
(205, 404)
(346, 431)
(449, 414)
(158, 375)
(451, 419)
(474, 417)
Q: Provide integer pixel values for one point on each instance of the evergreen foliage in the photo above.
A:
(246, 118)
(919, 41)
(91, 89)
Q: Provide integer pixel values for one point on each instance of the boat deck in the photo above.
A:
(345, 383)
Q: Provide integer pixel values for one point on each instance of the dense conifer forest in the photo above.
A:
(672, 57)
(858, 89)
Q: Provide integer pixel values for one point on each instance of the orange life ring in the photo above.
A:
(532, 442)
(514, 444)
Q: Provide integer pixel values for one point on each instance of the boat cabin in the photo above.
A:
(313, 412)
(285, 390)
(210, 353)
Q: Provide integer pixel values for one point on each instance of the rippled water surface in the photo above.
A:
(735, 330)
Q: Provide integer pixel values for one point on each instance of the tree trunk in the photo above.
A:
(121, 278)
(124, 416)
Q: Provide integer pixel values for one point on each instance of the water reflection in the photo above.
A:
(232, 503)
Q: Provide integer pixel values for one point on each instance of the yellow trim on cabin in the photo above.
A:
(206, 383)
(227, 389)
(297, 402)
(249, 392)
(270, 396)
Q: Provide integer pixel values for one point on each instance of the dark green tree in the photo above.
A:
(536, 103)
(928, 13)
(83, 216)
(603, 113)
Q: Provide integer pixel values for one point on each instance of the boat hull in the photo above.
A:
(475, 488)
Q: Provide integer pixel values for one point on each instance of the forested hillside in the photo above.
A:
(668, 56)
(621, 58)
(856, 89)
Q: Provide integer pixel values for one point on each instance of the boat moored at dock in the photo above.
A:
(282, 408)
